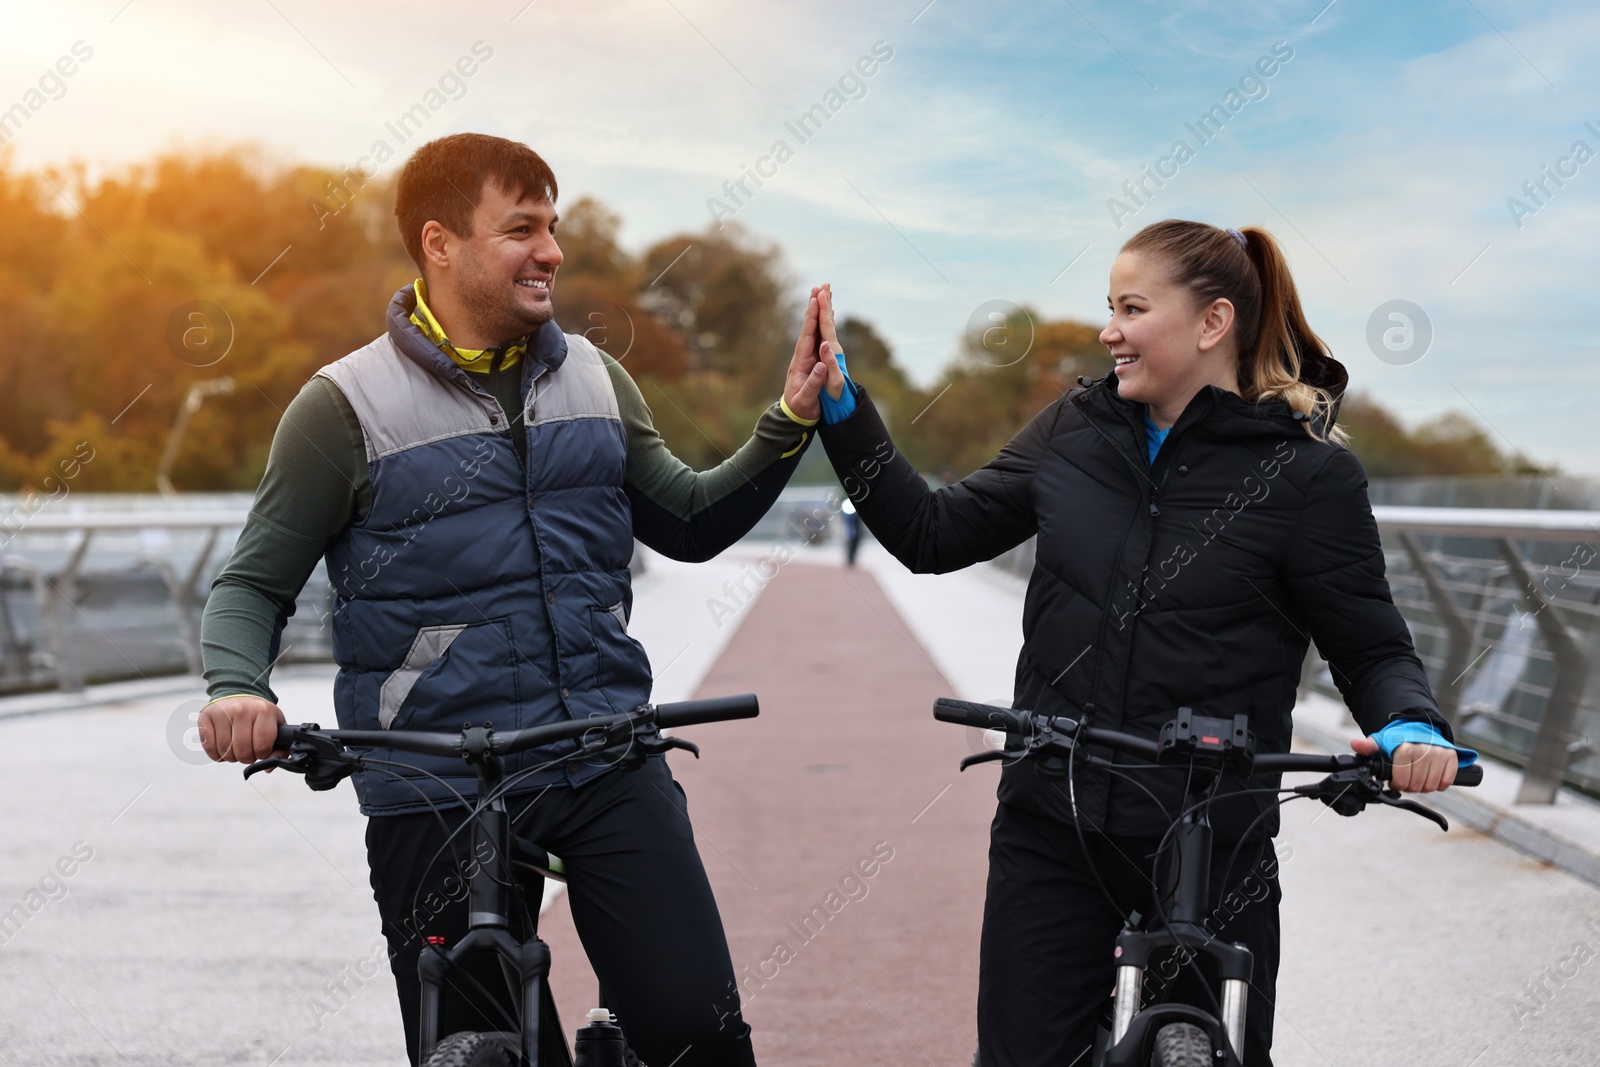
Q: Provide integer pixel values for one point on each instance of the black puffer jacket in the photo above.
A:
(1198, 581)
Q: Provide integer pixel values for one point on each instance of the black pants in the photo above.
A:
(640, 902)
(1045, 967)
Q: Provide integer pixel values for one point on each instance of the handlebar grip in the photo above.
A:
(714, 709)
(1465, 776)
(285, 737)
(979, 716)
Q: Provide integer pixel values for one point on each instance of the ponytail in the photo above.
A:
(1279, 355)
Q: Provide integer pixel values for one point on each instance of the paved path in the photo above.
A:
(842, 768)
(222, 922)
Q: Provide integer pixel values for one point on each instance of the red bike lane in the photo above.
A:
(847, 855)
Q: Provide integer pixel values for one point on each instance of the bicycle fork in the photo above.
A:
(489, 898)
(1185, 933)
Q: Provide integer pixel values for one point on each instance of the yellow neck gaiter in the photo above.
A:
(476, 360)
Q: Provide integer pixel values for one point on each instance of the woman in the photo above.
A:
(1199, 522)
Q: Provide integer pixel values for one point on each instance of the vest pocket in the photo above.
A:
(450, 671)
(619, 658)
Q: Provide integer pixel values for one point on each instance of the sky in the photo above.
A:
(984, 158)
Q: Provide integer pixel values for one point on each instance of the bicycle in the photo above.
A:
(326, 756)
(1166, 1034)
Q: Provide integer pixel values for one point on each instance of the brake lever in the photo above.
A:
(642, 746)
(296, 764)
(324, 764)
(1347, 791)
(656, 744)
(1055, 746)
(986, 757)
(1395, 800)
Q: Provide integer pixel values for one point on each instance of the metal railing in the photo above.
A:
(110, 591)
(100, 594)
(1504, 607)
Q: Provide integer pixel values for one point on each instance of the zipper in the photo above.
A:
(513, 426)
(1142, 452)
(1170, 448)
(1169, 451)
(1122, 548)
(1173, 440)
(1166, 471)
(1141, 447)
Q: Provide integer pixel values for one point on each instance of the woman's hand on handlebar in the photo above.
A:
(1418, 768)
(240, 729)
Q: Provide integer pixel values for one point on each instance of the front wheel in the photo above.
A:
(467, 1049)
(1181, 1045)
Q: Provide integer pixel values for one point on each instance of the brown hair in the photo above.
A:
(443, 182)
(1275, 341)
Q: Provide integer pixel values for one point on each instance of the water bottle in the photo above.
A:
(600, 1044)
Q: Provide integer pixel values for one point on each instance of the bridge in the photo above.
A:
(156, 909)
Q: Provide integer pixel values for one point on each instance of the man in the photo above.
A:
(476, 479)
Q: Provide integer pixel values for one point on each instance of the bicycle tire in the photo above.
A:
(468, 1049)
(1181, 1045)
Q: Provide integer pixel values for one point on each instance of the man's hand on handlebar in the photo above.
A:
(240, 729)
(1418, 768)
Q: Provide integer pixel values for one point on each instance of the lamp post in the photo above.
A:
(191, 403)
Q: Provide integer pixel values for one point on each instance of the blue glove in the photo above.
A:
(1405, 731)
(836, 411)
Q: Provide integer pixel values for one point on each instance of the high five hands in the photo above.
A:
(807, 372)
(812, 367)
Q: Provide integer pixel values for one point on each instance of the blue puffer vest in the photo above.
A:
(476, 591)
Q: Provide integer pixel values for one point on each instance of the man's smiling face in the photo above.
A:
(503, 272)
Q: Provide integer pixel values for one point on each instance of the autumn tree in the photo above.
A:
(122, 292)
(727, 296)
(598, 295)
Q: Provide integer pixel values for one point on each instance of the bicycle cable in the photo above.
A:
(1187, 958)
(1123, 773)
(1077, 829)
(432, 808)
(438, 815)
(499, 791)
(1089, 859)
(1228, 871)
(477, 808)
(1155, 891)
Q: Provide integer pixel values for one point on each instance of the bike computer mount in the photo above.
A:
(1225, 745)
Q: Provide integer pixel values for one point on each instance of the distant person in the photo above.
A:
(475, 478)
(1199, 522)
(852, 531)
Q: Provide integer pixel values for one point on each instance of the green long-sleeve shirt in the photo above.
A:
(316, 484)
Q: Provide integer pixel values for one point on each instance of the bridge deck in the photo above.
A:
(218, 921)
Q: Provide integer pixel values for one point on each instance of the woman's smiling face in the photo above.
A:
(1166, 349)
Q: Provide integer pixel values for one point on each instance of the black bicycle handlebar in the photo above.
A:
(980, 716)
(436, 743)
(1026, 723)
(711, 709)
